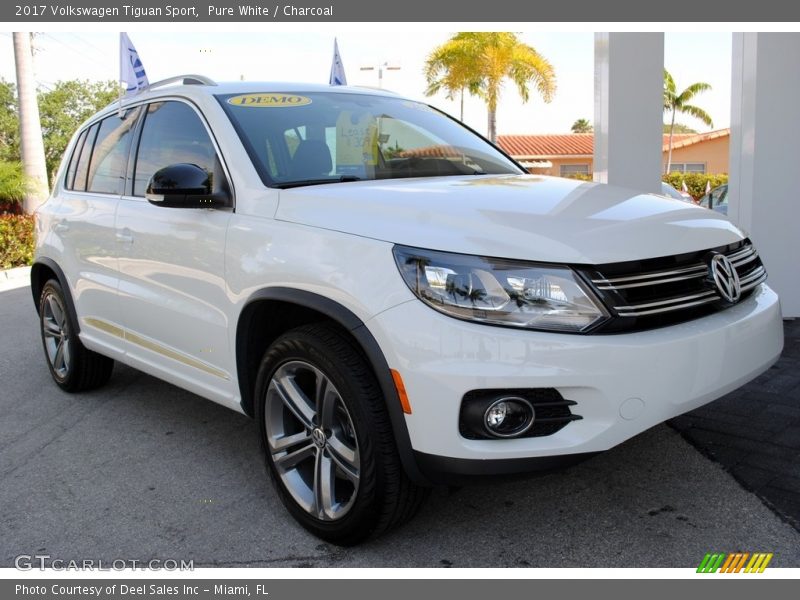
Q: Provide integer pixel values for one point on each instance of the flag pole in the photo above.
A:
(131, 69)
(119, 83)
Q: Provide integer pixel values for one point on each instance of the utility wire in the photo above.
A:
(70, 47)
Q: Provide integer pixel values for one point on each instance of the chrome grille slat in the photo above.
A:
(654, 275)
(654, 281)
(756, 275)
(740, 253)
(744, 260)
(654, 311)
(636, 307)
(738, 258)
(683, 284)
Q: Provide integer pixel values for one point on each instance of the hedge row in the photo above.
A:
(16, 241)
(695, 182)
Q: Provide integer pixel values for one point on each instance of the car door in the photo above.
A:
(172, 292)
(84, 226)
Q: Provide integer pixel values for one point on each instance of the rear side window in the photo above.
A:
(172, 133)
(82, 167)
(69, 181)
(110, 155)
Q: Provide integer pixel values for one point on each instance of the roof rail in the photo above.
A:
(183, 79)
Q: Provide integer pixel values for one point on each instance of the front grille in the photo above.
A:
(552, 411)
(651, 293)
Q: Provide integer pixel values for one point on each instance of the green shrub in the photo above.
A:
(16, 241)
(580, 176)
(12, 182)
(695, 182)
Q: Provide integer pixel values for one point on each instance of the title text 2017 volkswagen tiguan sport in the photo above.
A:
(395, 301)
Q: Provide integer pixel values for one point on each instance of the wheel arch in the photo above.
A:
(271, 311)
(42, 271)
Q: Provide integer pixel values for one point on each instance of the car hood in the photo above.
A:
(511, 216)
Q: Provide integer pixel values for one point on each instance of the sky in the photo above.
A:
(306, 56)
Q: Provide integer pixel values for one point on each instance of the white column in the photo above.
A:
(628, 109)
(765, 129)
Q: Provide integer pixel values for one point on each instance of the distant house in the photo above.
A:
(573, 153)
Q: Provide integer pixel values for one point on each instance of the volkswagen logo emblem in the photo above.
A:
(725, 278)
(319, 438)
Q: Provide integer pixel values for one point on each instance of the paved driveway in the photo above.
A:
(142, 469)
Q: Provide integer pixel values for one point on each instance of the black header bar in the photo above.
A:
(441, 11)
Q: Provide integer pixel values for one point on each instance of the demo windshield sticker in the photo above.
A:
(269, 100)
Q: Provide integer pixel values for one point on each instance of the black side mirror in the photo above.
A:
(185, 185)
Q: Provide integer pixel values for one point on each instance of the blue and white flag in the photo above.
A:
(337, 68)
(131, 70)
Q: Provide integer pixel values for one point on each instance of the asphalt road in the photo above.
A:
(142, 469)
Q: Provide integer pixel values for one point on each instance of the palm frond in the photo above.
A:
(669, 82)
(675, 102)
(697, 113)
(691, 91)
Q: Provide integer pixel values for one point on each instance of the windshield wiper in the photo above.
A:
(303, 182)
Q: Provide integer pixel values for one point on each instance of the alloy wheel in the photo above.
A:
(55, 330)
(312, 441)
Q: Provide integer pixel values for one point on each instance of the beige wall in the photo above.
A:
(557, 162)
(712, 152)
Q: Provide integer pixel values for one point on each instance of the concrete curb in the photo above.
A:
(11, 279)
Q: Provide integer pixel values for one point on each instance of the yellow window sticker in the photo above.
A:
(269, 100)
(356, 139)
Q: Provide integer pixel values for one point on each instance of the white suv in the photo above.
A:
(395, 300)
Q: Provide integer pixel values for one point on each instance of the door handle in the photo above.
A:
(125, 236)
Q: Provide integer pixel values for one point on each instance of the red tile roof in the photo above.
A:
(440, 151)
(688, 140)
(582, 144)
(570, 144)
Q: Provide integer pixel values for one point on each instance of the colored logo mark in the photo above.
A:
(737, 562)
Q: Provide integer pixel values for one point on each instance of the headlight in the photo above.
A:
(499, 291)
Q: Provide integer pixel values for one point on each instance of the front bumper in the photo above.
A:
(623, 384)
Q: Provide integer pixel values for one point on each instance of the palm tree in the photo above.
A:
(449, 69)
(480, 62)
(679, 103)
(582, 126)
(31, 144)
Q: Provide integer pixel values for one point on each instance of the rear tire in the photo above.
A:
(327, 438)
(73, 367)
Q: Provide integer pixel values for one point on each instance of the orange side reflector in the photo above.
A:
(401, 391)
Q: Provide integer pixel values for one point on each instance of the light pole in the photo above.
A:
(381, 67)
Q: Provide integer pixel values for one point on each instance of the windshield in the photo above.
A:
(308, 138)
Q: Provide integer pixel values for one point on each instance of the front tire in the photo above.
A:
(73, 367)
(327, 438)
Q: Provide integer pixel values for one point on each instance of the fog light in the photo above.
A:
(508, 417)
(496, 414)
